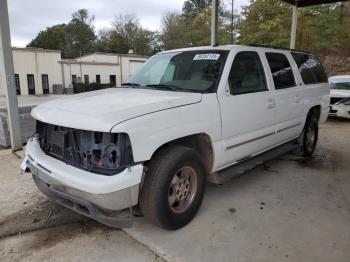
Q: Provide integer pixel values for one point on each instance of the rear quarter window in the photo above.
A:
(310, 68)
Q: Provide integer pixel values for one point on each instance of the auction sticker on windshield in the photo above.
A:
(206, 57)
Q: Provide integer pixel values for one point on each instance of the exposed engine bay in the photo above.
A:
(97, 152)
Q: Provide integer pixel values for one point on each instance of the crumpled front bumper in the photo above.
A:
(92, 195)
(340, 110)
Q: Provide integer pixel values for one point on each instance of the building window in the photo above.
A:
(86, 79)
(31, 84)
(112, 80)
(98, 79)
(18, 87)
(45, 83)
(74, 79)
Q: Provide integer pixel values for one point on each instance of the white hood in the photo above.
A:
(340, 93)
(103, 109)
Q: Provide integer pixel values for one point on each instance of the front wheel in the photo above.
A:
(310, 136)
(173, 188)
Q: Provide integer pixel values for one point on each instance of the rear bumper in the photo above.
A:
(106, 192)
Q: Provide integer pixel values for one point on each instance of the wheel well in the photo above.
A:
(315, 111)
(199, 142)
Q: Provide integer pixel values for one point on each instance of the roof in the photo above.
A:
(35, 49)
(303, 3)
(114, 54)
(80, 62)
(229, 47)
(194, 48)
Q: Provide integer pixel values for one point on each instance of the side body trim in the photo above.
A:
(263, 136)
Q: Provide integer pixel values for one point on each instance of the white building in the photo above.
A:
(37, 69)
(101, 68)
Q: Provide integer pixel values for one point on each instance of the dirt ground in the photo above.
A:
(290, 209)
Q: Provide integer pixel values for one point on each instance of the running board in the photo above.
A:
(246, 165)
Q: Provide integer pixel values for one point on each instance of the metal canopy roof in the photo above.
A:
(302, 3)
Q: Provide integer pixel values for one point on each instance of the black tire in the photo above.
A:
(158, 189)
(309, 136)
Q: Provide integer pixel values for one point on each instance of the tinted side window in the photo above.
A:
(247, 74)
(310, 68)
(281, 70)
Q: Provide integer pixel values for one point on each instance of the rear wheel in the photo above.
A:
(310, 136)
(173, 188)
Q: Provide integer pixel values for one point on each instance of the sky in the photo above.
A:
(28, 17)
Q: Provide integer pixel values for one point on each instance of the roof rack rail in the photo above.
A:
(277, 47)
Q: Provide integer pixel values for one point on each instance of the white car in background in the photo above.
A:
(340, 96)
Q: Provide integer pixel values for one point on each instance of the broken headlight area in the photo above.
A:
(96, 152)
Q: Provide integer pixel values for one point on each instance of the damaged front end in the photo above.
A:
(340, 107)
(96, 152)
(92, 173)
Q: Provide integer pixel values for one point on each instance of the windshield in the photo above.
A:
(341, 86)
(193, 71)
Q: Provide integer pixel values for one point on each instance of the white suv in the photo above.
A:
(187, 116)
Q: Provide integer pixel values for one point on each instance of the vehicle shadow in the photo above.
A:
(40, 215)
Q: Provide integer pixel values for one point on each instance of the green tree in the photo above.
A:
(127, 34)
(342, 39)
(265, 22)
(80, 34)
(193, 26)
(322, 29)
(73, 39)
(193, 8)
(174, 33)
(51, 38)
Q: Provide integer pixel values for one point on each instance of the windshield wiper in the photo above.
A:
(130, 84)
(168, 87)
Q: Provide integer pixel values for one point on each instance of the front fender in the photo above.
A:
(149, 132)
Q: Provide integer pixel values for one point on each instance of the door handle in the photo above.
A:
(271, 104)
(297, 99)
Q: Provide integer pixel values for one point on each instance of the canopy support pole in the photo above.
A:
(294, 27)
(214, 23)
(6, 62)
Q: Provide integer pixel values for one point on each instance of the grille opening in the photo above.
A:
(98, 137)
(86, 149)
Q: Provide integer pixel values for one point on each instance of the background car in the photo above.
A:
(340, 96)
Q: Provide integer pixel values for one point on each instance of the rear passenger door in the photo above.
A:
(247, 109)
(287, 96)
